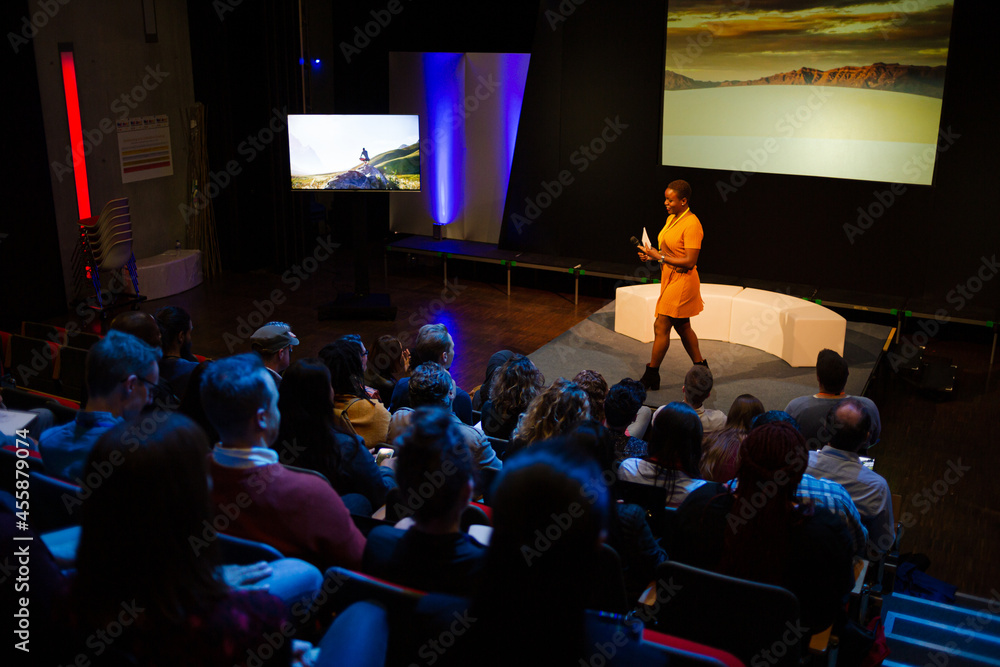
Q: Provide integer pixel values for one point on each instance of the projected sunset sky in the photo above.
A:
(830, 89)
(772, 36)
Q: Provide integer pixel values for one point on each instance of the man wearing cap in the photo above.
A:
(273, 342)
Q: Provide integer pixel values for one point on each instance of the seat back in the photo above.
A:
(748, 619)
(345, 587)
(34, 363)
(44, 332)
(653, 499)
(54, 503)
(241, 551)
(72, 372)
(607, 587)
(499, 446)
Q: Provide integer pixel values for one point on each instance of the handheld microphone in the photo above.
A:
(634, 241)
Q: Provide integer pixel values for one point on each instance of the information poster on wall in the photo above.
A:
(144, 148)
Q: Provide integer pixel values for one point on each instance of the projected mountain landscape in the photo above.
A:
(397, 169)
(912, 79)
(843, 89)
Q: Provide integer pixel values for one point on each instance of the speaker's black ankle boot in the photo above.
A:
(651, 378)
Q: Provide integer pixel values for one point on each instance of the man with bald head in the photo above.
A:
(850, 427)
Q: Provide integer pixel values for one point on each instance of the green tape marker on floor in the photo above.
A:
(583, 272)
(908, 313)
(513, 263)
(893, 311)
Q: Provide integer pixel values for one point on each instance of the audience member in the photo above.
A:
(434, 343)
(772, 417)
(136, 565)
(721, 456)
(697, 388)
(357, 412)
(721, 449)
(629, 533)
(621, 407)
(851, 427)
(141, 325)
(596, 387)
(811, 411)
(514, 385)
(273, 342)
(821, 493)
(355, 340)
(761, 533)
(177, 362)
(432, 386)
(387, 360)
(551, 413)
(742, 412)
(297, 513)
(309, 437)
(673, 456)
(191, 406)
(482, 394)
(528, 577)
(434, 554)
(121, 374)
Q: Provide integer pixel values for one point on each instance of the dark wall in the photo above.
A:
(31, 280)
(602, 66)
(245, 62)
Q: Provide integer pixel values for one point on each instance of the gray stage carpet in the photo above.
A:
(593, 344)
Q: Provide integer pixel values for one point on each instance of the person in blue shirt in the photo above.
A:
(122, 372)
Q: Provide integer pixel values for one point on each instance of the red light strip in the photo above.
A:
(75, 133)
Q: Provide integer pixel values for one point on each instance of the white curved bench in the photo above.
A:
(787, 327)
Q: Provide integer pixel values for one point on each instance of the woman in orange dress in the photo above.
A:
(680, 289)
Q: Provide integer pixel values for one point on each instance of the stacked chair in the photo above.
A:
(106, 243)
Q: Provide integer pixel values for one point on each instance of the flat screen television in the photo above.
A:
(354, 152)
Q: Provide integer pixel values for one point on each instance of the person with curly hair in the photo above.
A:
(596, 387)
(551, 413)
(514, 386)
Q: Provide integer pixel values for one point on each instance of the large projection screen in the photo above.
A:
(832, 89)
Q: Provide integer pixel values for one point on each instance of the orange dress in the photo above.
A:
(680, 293)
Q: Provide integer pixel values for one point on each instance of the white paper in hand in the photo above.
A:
(645, 238)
